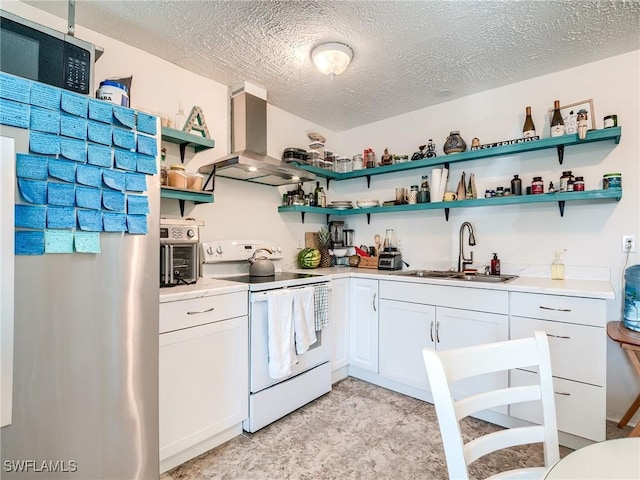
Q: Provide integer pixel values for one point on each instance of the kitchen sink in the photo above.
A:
(452, 275)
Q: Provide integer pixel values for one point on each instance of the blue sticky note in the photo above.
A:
(147, 145)
(113, 201)
(45, 96)
(61, 194)
(147, 164)
(124, 116)
(99, 132)
(73, 149)
(75, 104)
(14, 114)
(125, 159)
(74, 127)
(124, 138)
(87, 197)
(135, 182)
(114, 222)
(86, 242)
(30, 216)
(58, 241)
(137, 224)
(89, 175)
(100, 110)
(31, 166)
(147, 123)
(29, 243)
(61, 217)
(114, 179)
(137, 204)
(62, 170)
(47, 143)
(15, 88)
(33, 191)
(99, 155)
(90, 220)
(44, 120)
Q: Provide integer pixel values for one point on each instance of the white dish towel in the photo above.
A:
(304, 319)
(280, 332)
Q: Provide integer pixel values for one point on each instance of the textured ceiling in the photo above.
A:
(407, 54)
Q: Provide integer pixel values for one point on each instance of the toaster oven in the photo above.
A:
(179, 257)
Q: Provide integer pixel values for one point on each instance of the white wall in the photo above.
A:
(522, 235)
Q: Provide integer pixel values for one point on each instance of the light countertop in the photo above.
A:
(205, 287)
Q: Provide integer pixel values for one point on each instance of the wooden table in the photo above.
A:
(613, 459)
(630, 343)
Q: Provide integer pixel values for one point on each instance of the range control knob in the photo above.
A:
(219, 249)
(277, 249)
(210, 250)
(191, 233)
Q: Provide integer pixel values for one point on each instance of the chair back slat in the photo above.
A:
(494, 441)
(496, 398)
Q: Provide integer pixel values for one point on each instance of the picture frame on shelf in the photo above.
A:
(570, 112)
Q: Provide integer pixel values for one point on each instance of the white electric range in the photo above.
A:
(310, 377)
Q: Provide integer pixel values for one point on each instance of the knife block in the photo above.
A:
(368, 262)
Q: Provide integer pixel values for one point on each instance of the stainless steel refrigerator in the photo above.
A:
(85, 357)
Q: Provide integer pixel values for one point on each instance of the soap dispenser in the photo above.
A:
(557, 267)
(495, 265)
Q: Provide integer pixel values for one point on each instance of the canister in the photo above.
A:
(612, 180)
(177, 176)
(610, 121)
(114, 92)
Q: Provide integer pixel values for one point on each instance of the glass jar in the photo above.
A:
(499, 191)
(343, 165)
(425, 191)
(537, 186)
(357, 162)
(413, 195)
(177, 177)
(578, 185)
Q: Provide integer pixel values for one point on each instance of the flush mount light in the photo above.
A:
(332, 58)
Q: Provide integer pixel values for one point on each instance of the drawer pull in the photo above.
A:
(554, 309)
(564, 394)
(559, 336)
(204, 311)
(437, 331)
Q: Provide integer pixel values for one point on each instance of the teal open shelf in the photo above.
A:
(197, 142)
(610, 194)
(195, 196)
(607, 134)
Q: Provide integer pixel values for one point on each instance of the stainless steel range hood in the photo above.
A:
(249, 160)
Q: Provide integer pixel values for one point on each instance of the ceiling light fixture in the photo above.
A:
(332, 58)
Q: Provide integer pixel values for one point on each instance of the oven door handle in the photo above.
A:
(170, 265)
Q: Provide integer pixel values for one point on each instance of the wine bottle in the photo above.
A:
(557, 124)
(316, 195)
(529, 129)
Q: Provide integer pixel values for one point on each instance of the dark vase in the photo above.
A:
(454, 143)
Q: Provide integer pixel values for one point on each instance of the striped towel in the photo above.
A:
(321, 306)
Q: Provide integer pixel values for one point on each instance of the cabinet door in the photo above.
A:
(203, 383)
(339, 323)
(405, 329)
(363, 344)
(457, 328)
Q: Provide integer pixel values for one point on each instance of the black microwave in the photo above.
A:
(41, 54)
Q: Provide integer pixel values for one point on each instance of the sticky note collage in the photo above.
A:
(85, 173)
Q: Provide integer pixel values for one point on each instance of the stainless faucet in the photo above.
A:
(462, 261)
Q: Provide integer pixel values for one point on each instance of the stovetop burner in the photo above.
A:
(278, 277)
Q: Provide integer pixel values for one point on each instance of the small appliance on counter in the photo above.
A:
(179, 259)
(390, 258)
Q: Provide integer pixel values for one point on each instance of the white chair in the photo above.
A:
(448, 366)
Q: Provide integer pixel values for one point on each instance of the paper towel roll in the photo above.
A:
(436, 193)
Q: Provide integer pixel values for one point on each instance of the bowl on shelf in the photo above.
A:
(367, 203)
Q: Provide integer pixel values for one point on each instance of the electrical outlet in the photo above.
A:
(299, 244)
(628, 243)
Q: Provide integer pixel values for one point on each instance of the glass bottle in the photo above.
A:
(578, 186)
(564, 180)
(323, 198)
(537, 186)
(425, 192)
(528, 129)
(180, 119)
(557, 267)
(516, 185)
(316, 195)
(557, 124)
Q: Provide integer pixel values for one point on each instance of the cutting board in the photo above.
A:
(311, 239)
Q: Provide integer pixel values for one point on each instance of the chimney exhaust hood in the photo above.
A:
(249, 160)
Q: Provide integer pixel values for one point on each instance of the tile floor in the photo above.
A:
(357, 431)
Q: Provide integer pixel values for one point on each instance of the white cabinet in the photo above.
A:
(414, 316)
(363, 324)
(203, 384)
(339, 325)
(577, 342)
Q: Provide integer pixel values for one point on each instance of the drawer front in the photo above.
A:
(198, 311)
(580, 408)
(584, 311)
(578, 352)
(484, 300)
